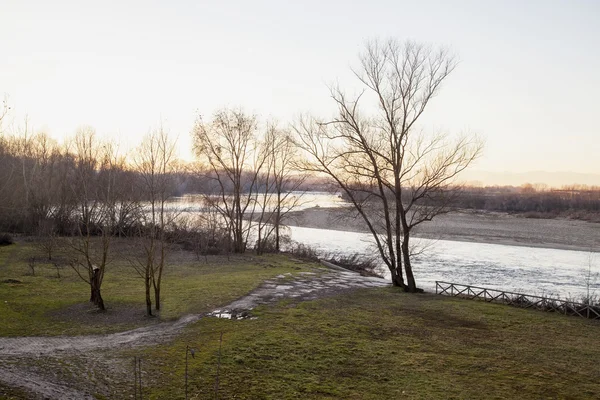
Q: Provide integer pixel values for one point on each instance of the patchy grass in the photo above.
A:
(9, 393)
(367, 344)
(382, 344)
(44, 304)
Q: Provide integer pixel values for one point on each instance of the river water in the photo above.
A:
(549, 272)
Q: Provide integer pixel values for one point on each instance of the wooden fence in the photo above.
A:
(518, 299)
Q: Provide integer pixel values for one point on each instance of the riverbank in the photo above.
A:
(469, 226)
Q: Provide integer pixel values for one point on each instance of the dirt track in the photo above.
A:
(31, 363)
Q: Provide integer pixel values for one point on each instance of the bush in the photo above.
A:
(269, 244)
(6, 239)
(366, 266)
(198, 239)
(303, 251)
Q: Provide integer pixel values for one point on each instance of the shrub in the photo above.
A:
(269, 244)
(366, 266)
(303, 251)
(6, 239)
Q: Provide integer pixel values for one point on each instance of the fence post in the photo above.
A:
(135, 380)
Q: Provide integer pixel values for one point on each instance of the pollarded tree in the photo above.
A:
(395, 176)
(94, 183)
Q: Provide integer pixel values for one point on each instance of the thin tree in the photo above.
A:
(154, 163)
(280, 183)
(229, 146)
(288, 179)
(395, 176)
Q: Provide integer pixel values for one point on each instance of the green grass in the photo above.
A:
(8, 393)
(367, 344)
(39, 305)
(382, 344)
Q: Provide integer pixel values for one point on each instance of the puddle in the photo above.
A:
(226, 314)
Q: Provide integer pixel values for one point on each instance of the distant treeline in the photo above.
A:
(580, 202)
(44, 184)
(539, 201)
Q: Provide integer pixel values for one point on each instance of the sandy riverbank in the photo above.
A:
(495, 228)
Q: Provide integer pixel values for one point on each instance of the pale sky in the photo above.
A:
(528, 79)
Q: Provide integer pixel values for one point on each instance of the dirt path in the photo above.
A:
(17, 355)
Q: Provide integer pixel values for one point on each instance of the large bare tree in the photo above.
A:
(395, 176)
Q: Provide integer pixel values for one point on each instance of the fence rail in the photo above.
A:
(518, 299)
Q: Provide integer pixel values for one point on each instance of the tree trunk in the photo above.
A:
(277, 220)
(238, 238)
(96, 296)
(410, 278)
(148, 298)
(156, 280)
(396, 272)
(397, 279)
(148, 283)
(259, 241)
(157, 297)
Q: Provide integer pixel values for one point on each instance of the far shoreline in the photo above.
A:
(472, 227)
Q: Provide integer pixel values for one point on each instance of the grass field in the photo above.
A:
(383, 344)
(47, 305)
(363, 344)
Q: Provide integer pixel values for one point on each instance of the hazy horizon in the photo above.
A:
(527, 79)
(554, 179)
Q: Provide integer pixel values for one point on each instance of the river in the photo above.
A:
(530, 270)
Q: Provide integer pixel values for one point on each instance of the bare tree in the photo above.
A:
(4, 110)
(95, 179)
(395, 176)
(229, 145)
(47, 238)
(154, 163)
(7, 167)
(280, 182)
(43, 186)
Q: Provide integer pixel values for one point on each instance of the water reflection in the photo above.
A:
(195, 202)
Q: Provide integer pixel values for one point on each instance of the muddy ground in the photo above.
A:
(482, 227)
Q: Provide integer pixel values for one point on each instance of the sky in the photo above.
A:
(528, 80)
